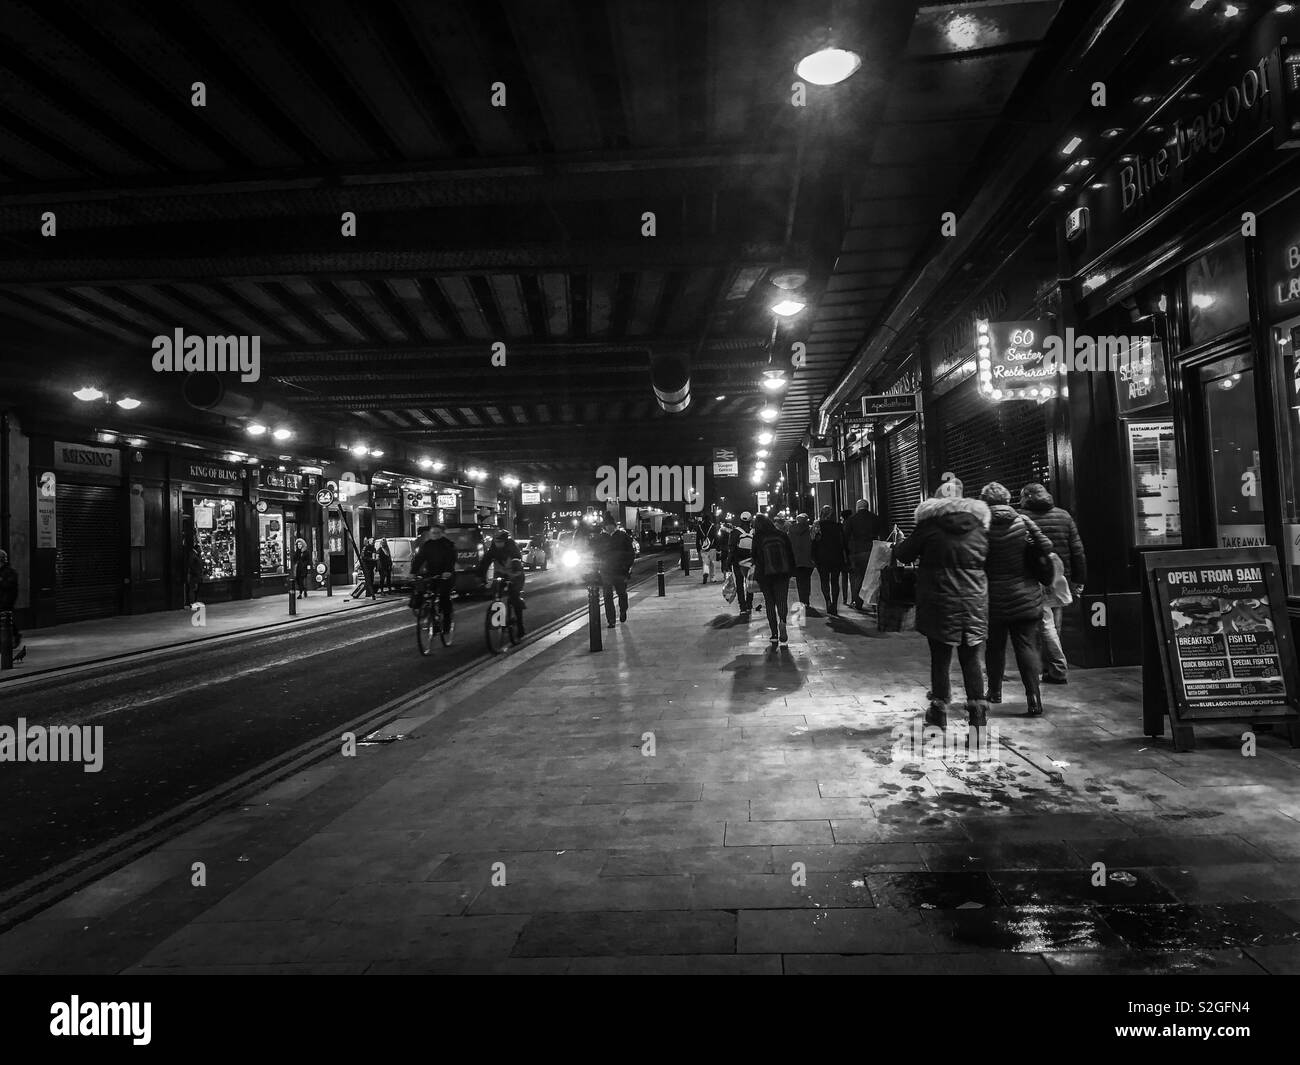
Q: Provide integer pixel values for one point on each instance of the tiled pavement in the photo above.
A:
(776, 828)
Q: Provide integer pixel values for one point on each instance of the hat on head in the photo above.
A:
(994, 494)
(745, 515)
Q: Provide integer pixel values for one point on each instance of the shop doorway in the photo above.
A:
(1230, 452)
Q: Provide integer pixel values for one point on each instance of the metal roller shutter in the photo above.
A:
(87, 567)
(985, 441)
(903, 492)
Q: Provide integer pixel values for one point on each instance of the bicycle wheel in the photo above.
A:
(424, 626)
(496, 635)
(514, 623)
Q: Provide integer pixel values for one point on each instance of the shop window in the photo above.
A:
(271, 542)
(1228, 388)
(217, 534)
(1285, 338)
(1153, 483)
(1216, 292)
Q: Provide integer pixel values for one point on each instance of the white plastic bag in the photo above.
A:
(729, 588)
(1059, 590)
(880, 555)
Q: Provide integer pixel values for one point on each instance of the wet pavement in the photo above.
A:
(694, 799)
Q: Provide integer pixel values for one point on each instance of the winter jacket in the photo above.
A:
(801, 542)
(951, 544)
(735, 553)
(194, 566)
(861, 531)
(301, 562)
(385, 558)
(434, 558)
(1058, 526)
(614, 553)
(1014, 594)
(830, 549)
(787, 554)
(8, 587)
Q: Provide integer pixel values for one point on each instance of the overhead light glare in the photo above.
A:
(255, 429)
(88, 394)
(127, 403)
(282, 433)
(829, 66)
(769, 414)
(359, 450)
(788, 308)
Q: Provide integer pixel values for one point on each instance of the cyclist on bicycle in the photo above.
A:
(506, 561)
(435, 562)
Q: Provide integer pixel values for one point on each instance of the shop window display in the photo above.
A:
(1285, 337)
(271, 543)
(216, 533)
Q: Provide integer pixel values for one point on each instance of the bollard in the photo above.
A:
(293, 602)
(6, 640)
(593, 617)
(662, 593)
(686, 562)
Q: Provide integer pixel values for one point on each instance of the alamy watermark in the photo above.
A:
(653, 484)
(53, 743)
(193, 353)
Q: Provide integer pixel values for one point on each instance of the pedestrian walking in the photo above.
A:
(801, 542)
(369, 556)
(709, 548)
(740, 547)
(614, 559)
(8, 600)
(1057, 524)
(846, 570)
(774, 565)
(950, 544)
(1015, 596)
(301, 567)
(861, 532)
(830, 556)
(385, 564)
(192, 573)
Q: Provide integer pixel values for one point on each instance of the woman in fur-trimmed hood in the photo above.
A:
(950, 544)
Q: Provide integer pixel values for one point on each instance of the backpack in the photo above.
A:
(745, 541)
(775, 560)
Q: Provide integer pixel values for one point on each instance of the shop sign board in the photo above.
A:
(1140, 379)
(213, 472)
(448, 501)
(292, 482)
(324, 497)
(1219, 641)
(82, 458)
(1014, 363)
(890, 406)
(762, 499)
(47, 514)
(816, 456)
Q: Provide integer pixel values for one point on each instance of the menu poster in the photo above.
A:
(1224, 638)
(1153, 478)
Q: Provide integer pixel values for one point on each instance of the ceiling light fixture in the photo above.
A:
(377, 454)
(769, 414)
(828, 66)
(255, 429)
(127, 403)
(425, 463)
(438, 467)
(88, 393)
(788, 308)
(774, 380)
(282, 433)
(359, 450)
(765, 438)
(1112, 133)
(790, 280)
(1071, 146)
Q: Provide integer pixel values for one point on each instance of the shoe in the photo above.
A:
(773, 638)
(995, 694)
(610, 625)
(20, 654)
(937, 714)
(857, 604)
(978, 713)
(1049, 679)
(784, 638)
(1035, 704)
(622, 615)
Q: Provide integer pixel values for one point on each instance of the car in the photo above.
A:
(533, 554)
(471, 546)
(402, 549)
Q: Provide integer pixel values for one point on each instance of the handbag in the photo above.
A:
(1038, 563)
(1059, 588)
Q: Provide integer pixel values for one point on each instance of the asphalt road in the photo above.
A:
(177, 726)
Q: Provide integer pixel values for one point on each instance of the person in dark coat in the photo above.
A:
(1015, 596)
(773, 567)
(369, 556)
(801, 541)
(740, 544)
(830, 555)
(8, 600)
(614, 557)
(1058, 525)
(861, 532)
(192, 567)
(845, 597)
(950, 544)
(385, 564)
(301, 567)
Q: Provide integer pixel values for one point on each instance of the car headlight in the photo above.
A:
(571, 558)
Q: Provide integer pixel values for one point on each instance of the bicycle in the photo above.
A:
(428, 621)
(503, 622)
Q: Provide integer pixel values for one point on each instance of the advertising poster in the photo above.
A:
(1223, 637)
(47, 515)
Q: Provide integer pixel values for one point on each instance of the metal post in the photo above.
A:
(293, 601)
(593, 616)
(660, 564)
(6, 640)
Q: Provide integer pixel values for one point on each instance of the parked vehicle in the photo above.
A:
(402, 548)
(471, 546)
(533, 554)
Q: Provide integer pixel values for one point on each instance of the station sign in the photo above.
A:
(531, 494)
(726, 463)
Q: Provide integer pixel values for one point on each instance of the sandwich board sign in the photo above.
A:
(1217, 643)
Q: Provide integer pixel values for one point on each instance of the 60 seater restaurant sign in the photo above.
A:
(1012, 360)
